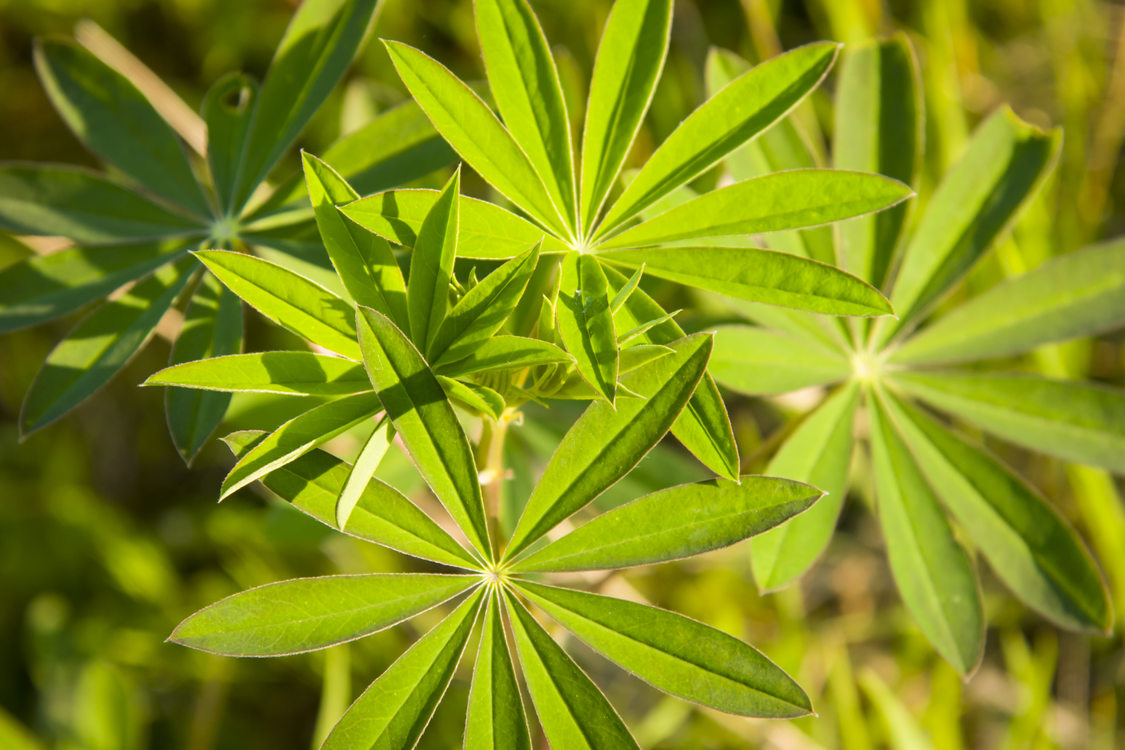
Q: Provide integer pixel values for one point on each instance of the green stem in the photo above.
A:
(490, 466)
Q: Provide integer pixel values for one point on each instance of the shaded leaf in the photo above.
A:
(227, 110)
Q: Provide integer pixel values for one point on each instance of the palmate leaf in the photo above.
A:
(628, 64)
(420, 412)
(394, 710)
(1075, 421)
(115, 121)
(674, 523)
(675, 654)
(496, 719)
(931, 569)
(730, 118)
(1074, 295)
(818, 452)
(313, 484)
(585, 323)
(571, 709)
(306, 614)
(1028, 544)
(431, 265)
(293, 373)
(762, 361)
(212, 327)
(605, 443)
(99, 346)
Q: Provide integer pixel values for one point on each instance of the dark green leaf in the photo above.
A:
(227, 110)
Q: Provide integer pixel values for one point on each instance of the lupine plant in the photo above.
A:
(133, 226)
(933, 486)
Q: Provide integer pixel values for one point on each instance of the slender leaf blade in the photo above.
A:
(761, 361)
(227, 110)
(366, 463)
(585, 323)
(286, 373)
(495, 718)
(431, 265)
(504, 353)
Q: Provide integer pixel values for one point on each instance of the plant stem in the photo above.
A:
(490, 468)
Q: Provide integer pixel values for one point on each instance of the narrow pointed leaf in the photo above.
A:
(43, 287)
(675, 654)
(227, 110)
(879, 128)
(487, 231)
(99, 346)
(731, 117)
(363, 260)
(1080, 422)
(784, 200)
(394, 710)
(525, 83)
(298, 436)
(306, 614)
(760, 361)
(423, 417)
(377, 445)
(115, 121)
(931, 569)
(1028, 544)
(83, 206)
(586, 323)
(675, 523)
(313, 484)
(296, 373)
(483, 309)
(1005, 163)
(759, 276)
(630, 57)
(319, 44)
(431, 265)
(818, 452)
(473, 131)
(622, 294)
(1074, 295)
(288, 299)
(605, 443)
(212, 327)
(496, 719)
(477, 399)
(505, 353)
(571, 709)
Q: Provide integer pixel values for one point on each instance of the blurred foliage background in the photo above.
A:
(107, 540)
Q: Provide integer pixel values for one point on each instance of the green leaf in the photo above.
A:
(703, 426)
(675, 523)
(586, 323)
(571, 709)
(931, 569)
(473, 131)
(628, 64)
(296, 373)
(879, 128)
(1074, 295)
(394, 710)
(364, 261)
(483, 310)
(212, 327)
(759, 276)
(1005, 163)
(731, 117)
(606, 443)
(785, 200)
(43, 287)
(818, 452)
(675, 654)
(319, 44)
(372, 453)
(1080, 422)
(496, 719)
(477, 399)
(313, 484)
(306, 614)
(288, 299)
(487, 231)
(1027, 543)
(298, 436)
(505, 353)
(227, 110)
(423, 417)
(525, 83)
(115, 121)
(431, 265)
(760, 361)
(83, 206)
(99, 346)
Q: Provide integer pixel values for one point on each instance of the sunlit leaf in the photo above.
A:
(586, 323)
(431, 265)
(504, 353)
(496, 719)
(761, 361)
(297, 373)
(370, 455)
